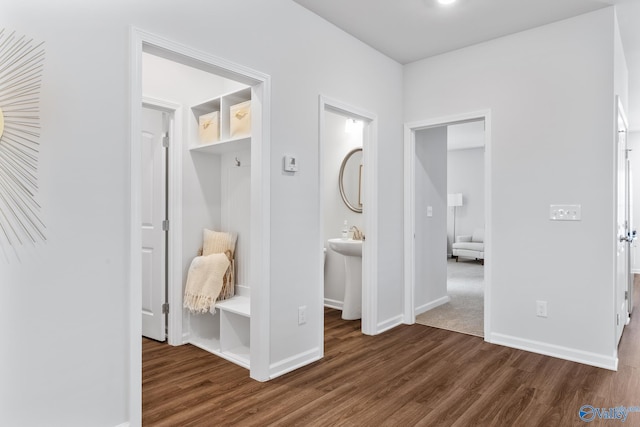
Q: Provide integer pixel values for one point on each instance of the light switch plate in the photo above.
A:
(290, 164)
(565, 213)
(429, 211)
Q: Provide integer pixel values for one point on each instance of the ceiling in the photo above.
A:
(410, 30)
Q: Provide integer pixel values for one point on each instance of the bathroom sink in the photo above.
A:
(352, 252)
(346, 247)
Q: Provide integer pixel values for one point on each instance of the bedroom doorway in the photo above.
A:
(446, 199)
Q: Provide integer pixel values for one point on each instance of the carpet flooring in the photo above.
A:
(465, 312)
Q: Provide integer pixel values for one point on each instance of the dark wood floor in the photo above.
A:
(410, 376)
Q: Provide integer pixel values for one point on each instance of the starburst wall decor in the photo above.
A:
(21, 65)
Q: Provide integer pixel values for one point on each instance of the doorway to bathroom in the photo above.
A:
(347, 185)
(447, 266)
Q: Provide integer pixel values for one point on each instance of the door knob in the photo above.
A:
(627, 239)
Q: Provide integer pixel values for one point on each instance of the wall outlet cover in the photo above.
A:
(302, 315)
(565, 212)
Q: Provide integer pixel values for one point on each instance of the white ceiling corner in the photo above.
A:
(410, 30)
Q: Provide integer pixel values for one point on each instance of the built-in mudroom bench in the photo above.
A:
(225, 333)
(220, 149)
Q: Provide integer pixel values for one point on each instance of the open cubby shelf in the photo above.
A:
(227, 141)
(225, 332)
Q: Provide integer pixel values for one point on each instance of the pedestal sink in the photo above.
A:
(352, 252)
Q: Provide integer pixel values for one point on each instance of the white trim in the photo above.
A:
(409, 224)
(174, 203)
(620, 114)
(332, 303)
(389, 324)
(370, 248)
(409, 210)
(123, 425)
(260, 268)
(260, 201)
(294, 362)
(135, 238)
(488, 227)
(561, 352)
(322, 250)
(431, 305)
(370, 209)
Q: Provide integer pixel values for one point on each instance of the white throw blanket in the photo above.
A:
(204, 282)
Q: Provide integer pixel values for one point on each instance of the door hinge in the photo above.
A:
(626, 295)
(165, 225)
(165, 308)
(165, 140)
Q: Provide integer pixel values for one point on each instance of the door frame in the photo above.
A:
(173, 257)
(369, 322)
(142, 41)
(410, 130)
(619, 323)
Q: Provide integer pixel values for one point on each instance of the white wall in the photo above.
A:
(465, 174)
(336, 144)
(430, 231)
(621, 77)
(550, 91)
(235, 183)
(65, 359)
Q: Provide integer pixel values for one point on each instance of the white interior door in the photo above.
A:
(153, 212)
(623, 257)
(633, 254)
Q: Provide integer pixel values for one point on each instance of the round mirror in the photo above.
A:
(350, 180)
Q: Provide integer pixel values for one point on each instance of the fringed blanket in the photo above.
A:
(221, 242)
(204, 282)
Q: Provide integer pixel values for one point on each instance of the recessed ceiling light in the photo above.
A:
(446, 2)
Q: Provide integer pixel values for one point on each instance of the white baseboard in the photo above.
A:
(294, 362)
(431, 305)
(389, 324)
(566, 353)
(332, 303)
(124, 424)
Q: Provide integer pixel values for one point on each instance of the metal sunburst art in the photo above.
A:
(21, 65)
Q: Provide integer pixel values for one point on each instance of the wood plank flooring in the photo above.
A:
(410, 376)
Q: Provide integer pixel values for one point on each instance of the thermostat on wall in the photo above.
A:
(290, 164)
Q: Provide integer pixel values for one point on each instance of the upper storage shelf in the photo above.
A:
(221, 147)
(222, 124)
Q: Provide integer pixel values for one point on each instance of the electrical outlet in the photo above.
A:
(302, 315)
(565, 212)
(541, 308)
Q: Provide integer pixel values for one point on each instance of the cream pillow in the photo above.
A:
(217, 242)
